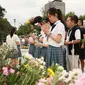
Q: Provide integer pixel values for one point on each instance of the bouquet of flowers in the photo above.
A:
(8, 76)
(59, 76)
(5, 53)
(27, 74)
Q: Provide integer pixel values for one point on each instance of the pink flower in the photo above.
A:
(42, 80)
(81, 80)
(40, 83)
(12, 71)
(5, 71)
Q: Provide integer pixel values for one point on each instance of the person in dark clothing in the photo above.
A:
(82, 50)
(73, 41)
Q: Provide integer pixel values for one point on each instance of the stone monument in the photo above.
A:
(58, 4)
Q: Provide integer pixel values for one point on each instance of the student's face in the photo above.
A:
(69, 23)
(52, 18)
(79, 23)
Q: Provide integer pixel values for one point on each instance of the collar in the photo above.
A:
(57, 22)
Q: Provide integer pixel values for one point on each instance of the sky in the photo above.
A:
(22, 10)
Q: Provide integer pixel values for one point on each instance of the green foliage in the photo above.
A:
(69, 14)
(29, 75)
(4, 25)
(24, 29)
(26, 74)
(82, 17)
(83, 41)
(28, 28)
(4, 28)
(5, 53)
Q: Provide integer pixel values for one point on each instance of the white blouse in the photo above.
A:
(45, 40)
(58, 29)
(11, 41)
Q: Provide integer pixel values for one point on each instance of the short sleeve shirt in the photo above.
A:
(11, 41)
(58, 29)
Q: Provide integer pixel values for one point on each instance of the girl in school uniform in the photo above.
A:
(31, 41)
(38, 48)
(56, 36)
(14, 42)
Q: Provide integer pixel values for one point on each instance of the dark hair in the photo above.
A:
(13, 29)
(81, 21)
(74, 18)
(53, 11)
(46, 20)
(37, 19)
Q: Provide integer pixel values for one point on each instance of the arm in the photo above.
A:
(56, 38)
(77, 36)
(17, 40)
(59, 33)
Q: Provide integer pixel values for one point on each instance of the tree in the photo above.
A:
(69, 14)
(24, 29)
(82, 17)
(2, 12)
(5, 27)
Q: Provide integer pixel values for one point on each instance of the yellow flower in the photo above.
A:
(28, 22)
(50, 72)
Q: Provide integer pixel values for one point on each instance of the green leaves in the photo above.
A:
(83, 41)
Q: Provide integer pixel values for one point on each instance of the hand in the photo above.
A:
(82, 46)
(71, 42)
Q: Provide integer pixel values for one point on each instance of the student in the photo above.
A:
(14, 42)
(56, 36)
(41, 45)
(32, 47)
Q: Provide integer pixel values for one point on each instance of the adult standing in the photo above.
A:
(56, 36)
(73, 41)
(82, 50)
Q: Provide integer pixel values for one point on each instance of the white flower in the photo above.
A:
(75, 74)
(68, 79)
(29, 56)
(64, 75)
(44, 63)
(60, 68)
(42, 58)
(41, 67)
(57, 64)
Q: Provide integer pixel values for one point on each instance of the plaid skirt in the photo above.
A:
(37, 53)
(32, 49)
(16, 54)
(44, 53)
(54, 55)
